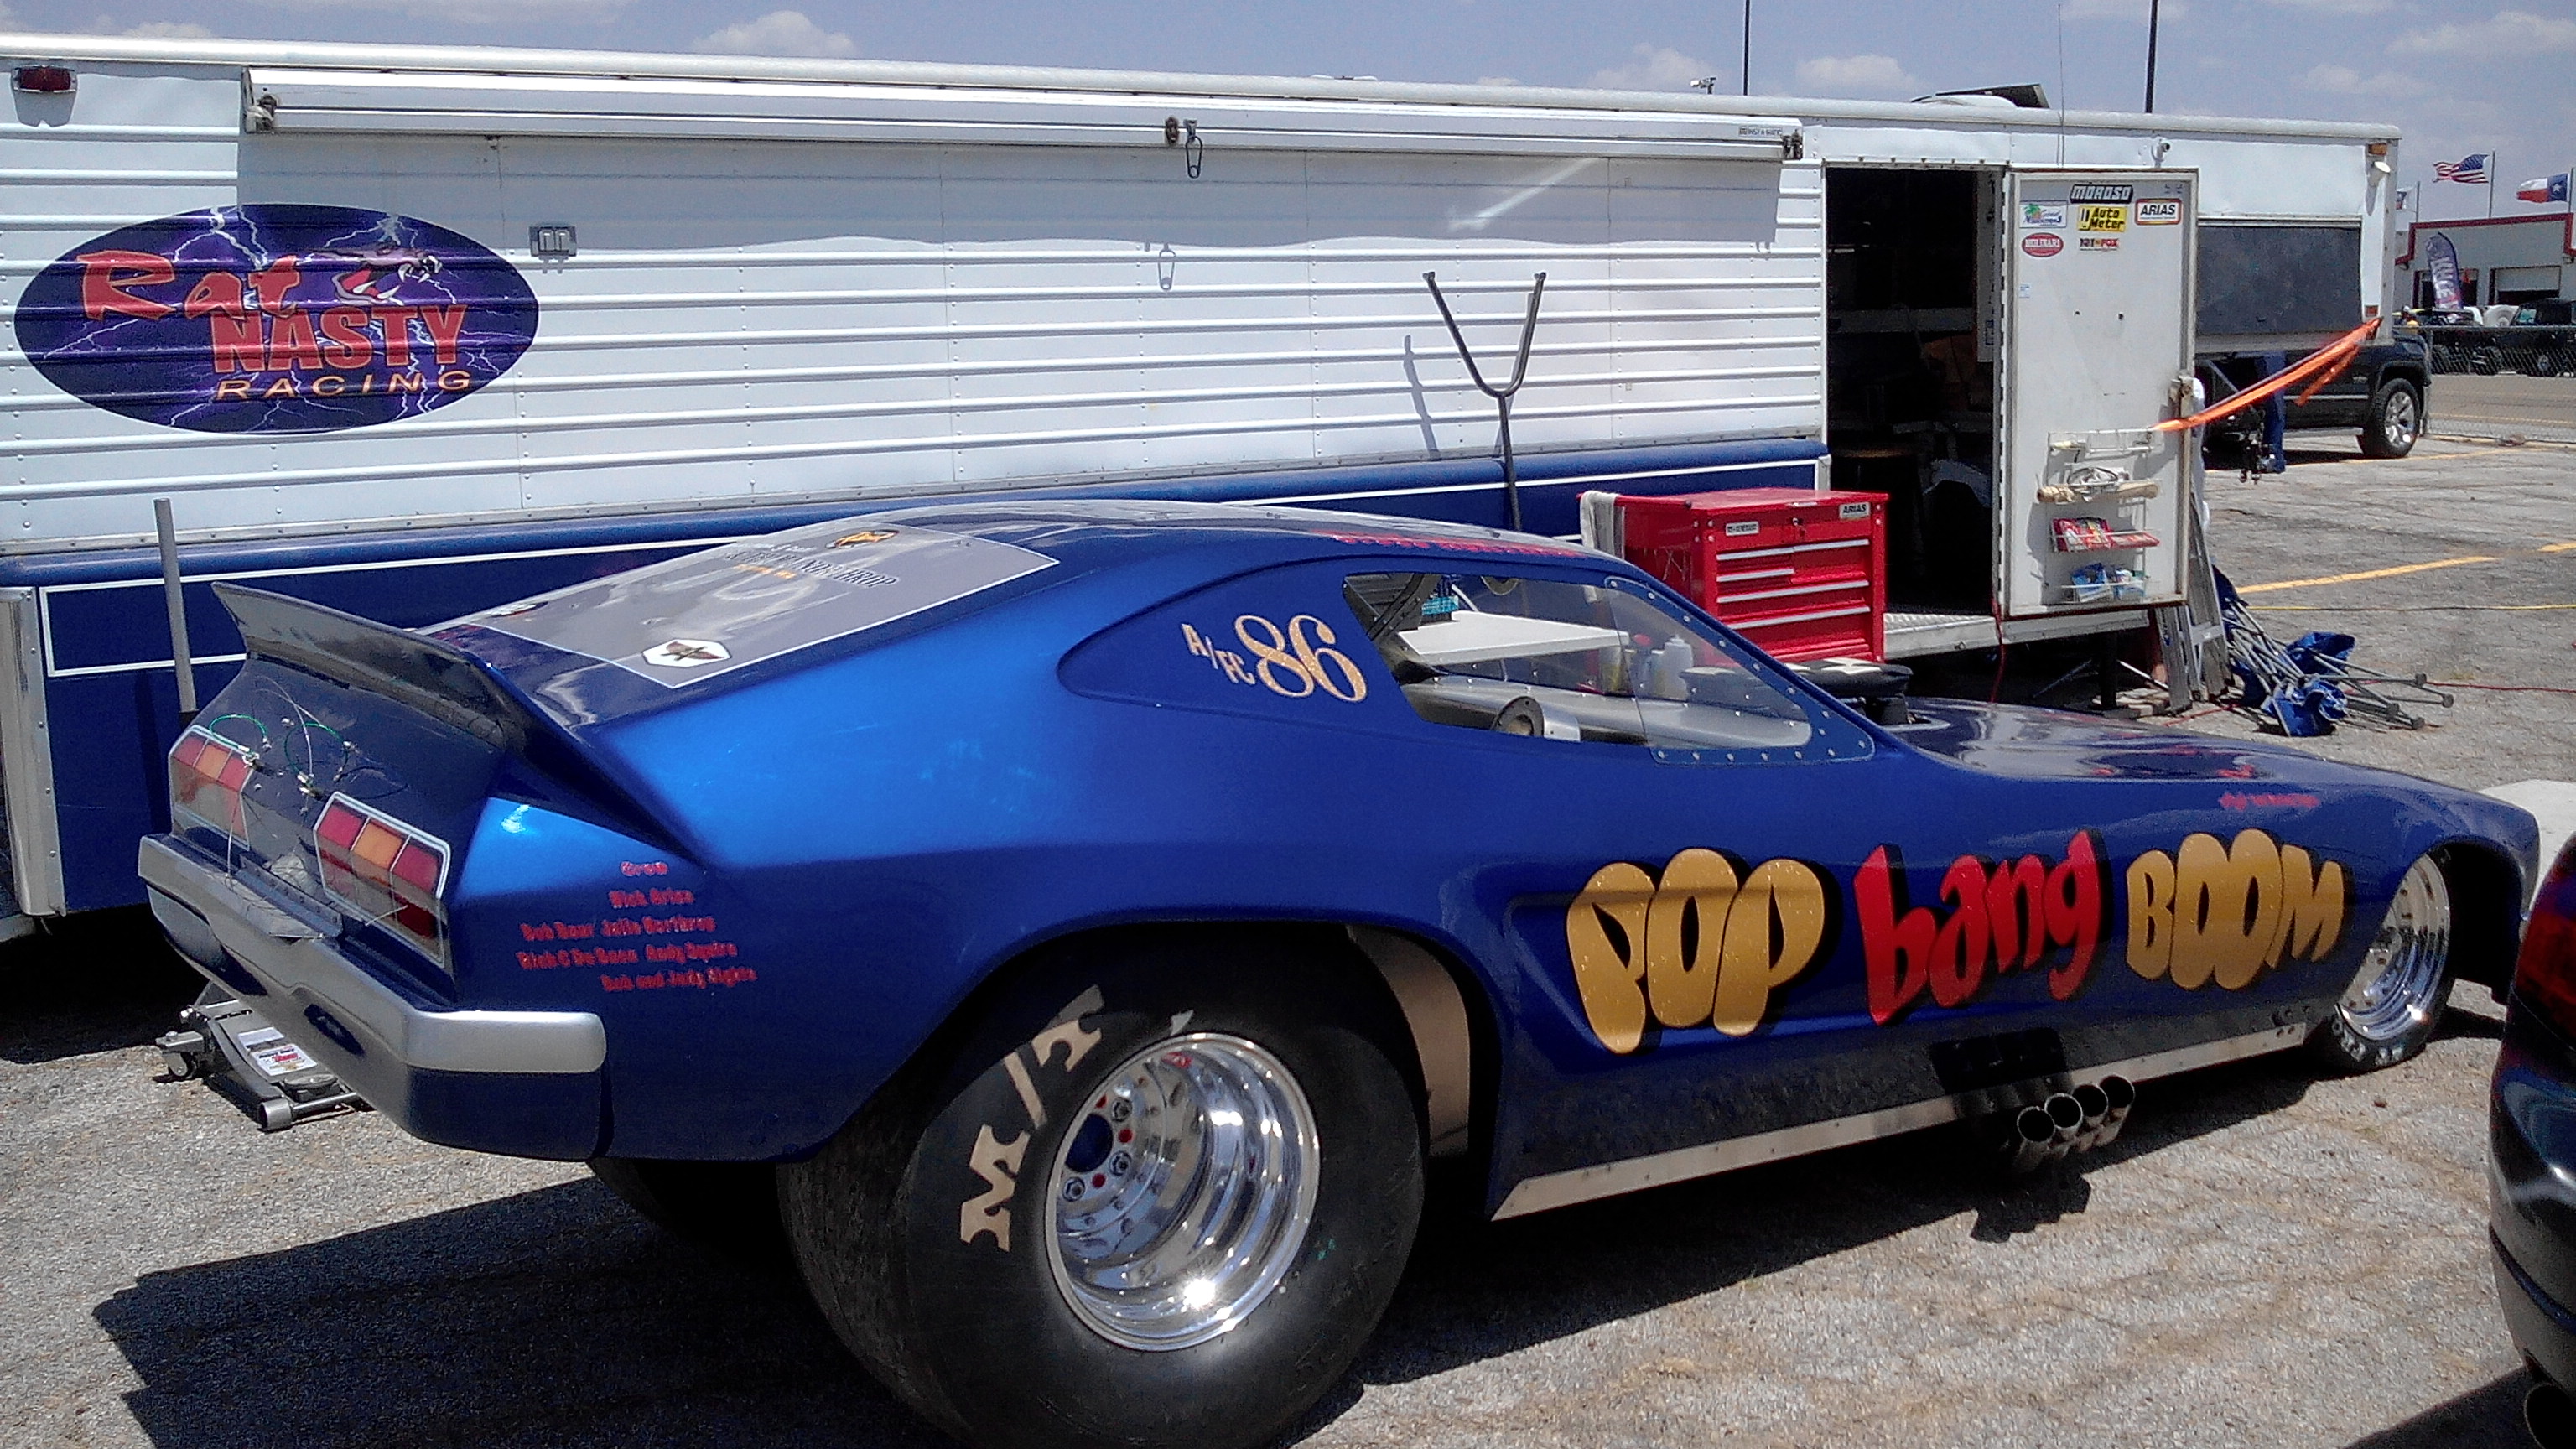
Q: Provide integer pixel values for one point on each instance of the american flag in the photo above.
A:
(2471, 169)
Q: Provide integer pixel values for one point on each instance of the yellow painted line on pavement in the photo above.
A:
(2445, 563)
(2403, 569)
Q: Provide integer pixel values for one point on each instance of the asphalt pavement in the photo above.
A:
(2507, 405)
(2265, 1257)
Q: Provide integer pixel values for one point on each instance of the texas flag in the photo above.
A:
(2546, 188)
(2471, 169)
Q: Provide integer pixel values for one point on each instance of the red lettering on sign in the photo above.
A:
(217, 293)
(396, 324)
(291, 344)
(105, 276)
(344, 337)
(445, 324)
(240, 344)
(270, 284)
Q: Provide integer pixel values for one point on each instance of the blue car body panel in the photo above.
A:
(775, 886)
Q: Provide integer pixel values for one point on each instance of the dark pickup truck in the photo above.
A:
(2382, 396)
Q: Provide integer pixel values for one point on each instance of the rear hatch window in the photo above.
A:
(698, 618)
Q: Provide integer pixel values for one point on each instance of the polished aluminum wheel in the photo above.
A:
(1183, 1194)
(2400, 985)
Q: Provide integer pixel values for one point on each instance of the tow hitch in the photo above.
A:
(251, 1064)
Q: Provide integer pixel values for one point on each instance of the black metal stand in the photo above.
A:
(1502, 396)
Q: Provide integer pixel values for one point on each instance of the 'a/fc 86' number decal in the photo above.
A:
(1293, 662)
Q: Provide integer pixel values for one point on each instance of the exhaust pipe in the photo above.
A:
(2030, 1141)
(2096, 1104)
(2549, 1416)
(2119, 1095)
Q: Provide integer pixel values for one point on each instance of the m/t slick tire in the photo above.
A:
(2397, 997)
(1159, 1197)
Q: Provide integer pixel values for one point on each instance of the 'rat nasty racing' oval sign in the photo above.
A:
(276, 319)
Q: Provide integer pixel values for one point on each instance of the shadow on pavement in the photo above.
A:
(550, 1318)
(90, 983)
(558, 1318)
(2483, 1418)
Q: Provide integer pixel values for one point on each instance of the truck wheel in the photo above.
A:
(2396, 420)
(2544, 363)
(2398, 995)
(727, 1207)
(2486, 361)
(1160, 1197)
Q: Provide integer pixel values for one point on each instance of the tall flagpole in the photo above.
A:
(2154, 12)
(2495, 163)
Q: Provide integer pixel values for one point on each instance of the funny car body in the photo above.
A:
(1082, 925)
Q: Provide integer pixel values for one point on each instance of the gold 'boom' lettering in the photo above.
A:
(2228, 912)
(1706, 945)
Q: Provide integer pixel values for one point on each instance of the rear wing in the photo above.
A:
(435, 679)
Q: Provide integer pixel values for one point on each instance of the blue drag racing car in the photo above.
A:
(1080, 927)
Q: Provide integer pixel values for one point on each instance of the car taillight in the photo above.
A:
(207, 773)
(386, 872)
(2545, 975)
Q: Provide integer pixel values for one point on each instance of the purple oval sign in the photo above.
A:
(276, 319)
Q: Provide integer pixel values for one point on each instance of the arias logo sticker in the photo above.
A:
(276, 319)
(2043, 243)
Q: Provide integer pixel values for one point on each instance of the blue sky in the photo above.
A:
(2457, 76)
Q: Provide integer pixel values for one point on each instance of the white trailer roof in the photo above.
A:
(497, 62)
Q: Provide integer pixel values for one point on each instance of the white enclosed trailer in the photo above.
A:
(412, 331)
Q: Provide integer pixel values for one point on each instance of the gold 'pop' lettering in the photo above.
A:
(1702, 946)
(1605, 930)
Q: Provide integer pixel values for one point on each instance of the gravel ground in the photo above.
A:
(2263, 1258)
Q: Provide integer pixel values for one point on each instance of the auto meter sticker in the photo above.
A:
(2166, 211)
(707, 614)
(276, 319)
(2043, 244)
(2040, 213)
(1712, 944)
(2103, 218)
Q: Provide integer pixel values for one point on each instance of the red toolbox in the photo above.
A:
(1801, 573)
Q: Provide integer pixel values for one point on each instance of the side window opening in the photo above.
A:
(1568, 661)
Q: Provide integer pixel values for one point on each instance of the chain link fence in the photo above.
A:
(2503, 384)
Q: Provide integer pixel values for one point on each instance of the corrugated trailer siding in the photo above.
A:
(762, 321)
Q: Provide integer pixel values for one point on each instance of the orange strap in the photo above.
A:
(2327, 360)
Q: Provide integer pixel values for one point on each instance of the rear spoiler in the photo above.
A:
(436, 679)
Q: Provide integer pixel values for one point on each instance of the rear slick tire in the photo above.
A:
(1159, 1197)
(2397, 997)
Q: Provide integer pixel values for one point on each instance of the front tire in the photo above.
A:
(2397, 997)
(2545, 363)
(2396, 420)
(1160, 1197)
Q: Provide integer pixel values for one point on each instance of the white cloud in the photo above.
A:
(2123, 10)
(2343, 80)
(2340, 7)
(2512, 33)
(1498, 80)
(780, 32)
(473, 12)
(1654, 68)
(167, 30)
(1826, 75)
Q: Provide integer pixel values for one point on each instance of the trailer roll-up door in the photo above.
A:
(2098, 337)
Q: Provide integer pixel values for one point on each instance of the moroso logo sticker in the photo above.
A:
(276, 319)
(2043, 243)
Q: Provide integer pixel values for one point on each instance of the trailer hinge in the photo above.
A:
(260, 114)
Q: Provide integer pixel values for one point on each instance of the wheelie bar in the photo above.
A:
(231, 1048)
